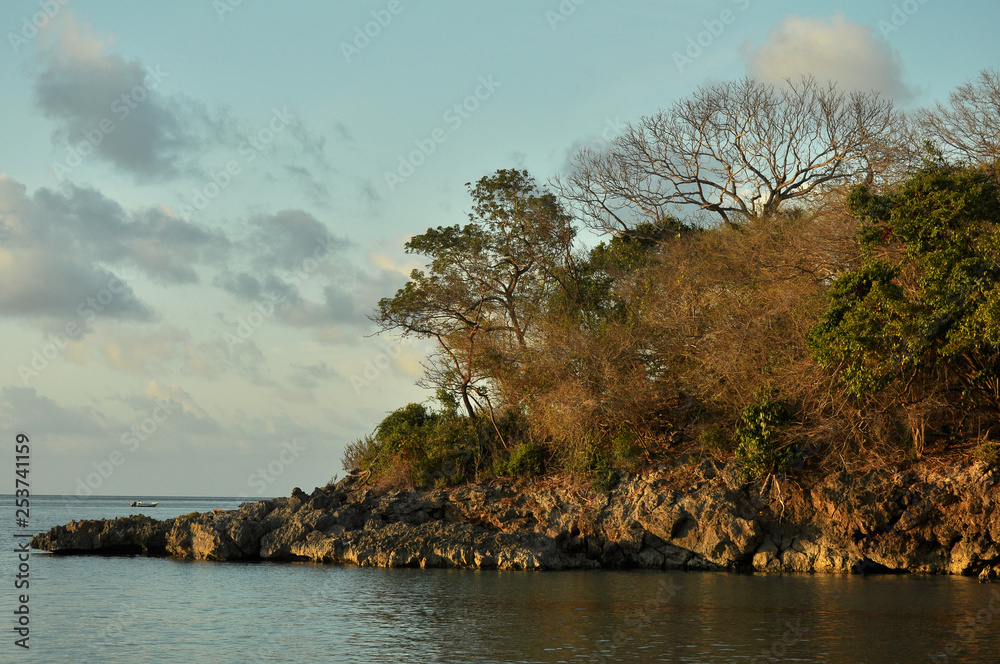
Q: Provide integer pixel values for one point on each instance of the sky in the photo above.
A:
(202, 200)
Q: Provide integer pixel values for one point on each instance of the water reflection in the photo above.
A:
(112, 610)
(458, 616)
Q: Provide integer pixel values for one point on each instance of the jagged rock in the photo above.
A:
(704, 517)
(127, 536)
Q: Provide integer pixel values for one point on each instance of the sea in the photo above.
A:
(91, 609)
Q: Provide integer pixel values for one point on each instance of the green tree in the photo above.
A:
(922, 311)
(481, 293)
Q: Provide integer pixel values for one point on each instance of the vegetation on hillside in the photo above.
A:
(792, 277)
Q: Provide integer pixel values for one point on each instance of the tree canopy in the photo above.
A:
(739, 150)
(921, 313)
(481, 292)
(847, 311)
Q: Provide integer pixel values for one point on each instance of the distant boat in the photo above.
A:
(139, 503)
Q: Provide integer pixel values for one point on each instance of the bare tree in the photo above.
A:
(969, 127)
(739, 150)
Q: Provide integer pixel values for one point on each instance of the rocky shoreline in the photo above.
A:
(705, 518)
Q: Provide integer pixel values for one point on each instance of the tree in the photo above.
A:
(482, 291)
(738, 150)
(968, 129)
(921, 314)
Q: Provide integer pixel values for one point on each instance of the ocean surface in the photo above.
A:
(137, 610)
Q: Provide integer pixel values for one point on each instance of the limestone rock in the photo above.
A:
(705, 517)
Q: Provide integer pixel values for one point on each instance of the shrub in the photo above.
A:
(919, 314)
(358, 454)
(527, 459)
(603, 475)
(594, 464)
(758, 441)
(414, 446)
(625, 447)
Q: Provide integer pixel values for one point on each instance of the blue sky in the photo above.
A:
(200, 201)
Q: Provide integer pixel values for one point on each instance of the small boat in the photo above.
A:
(139, 503)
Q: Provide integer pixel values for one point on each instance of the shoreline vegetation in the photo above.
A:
(784, 355)
(830, 301)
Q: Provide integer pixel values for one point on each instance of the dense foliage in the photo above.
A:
(920, 315)
(860, 325)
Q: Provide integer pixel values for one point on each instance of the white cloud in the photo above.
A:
(829, 49)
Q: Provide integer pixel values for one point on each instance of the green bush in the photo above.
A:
(757, 436)
(414, 446)
(594, 464)
(527, 459)
(603, 475)
(713, 438)
(927, 291)
(625, 447)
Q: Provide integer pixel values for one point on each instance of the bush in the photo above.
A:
(357, 455)
(594, 464)
(713, 438)
(527, 459)
(414, 446)
(758, 441)
(625, 447)
(601, 469)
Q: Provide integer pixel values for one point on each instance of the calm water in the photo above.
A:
(159, 610)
